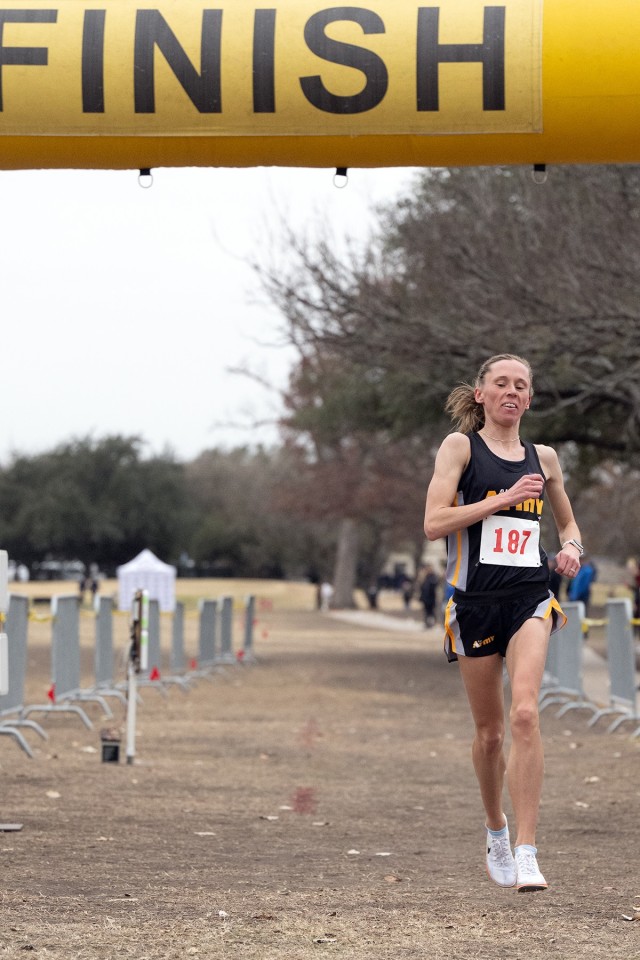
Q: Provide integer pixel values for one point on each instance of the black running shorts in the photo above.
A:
(478, 625)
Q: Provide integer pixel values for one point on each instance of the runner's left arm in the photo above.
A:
(561, 508)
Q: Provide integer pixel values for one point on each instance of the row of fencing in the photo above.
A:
(562, 683)
(66, 694)
(563, 679)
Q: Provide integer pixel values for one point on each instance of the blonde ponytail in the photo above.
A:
(466, 413)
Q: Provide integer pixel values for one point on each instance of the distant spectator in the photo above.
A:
(372, 596)
(326, 593)
(580, 587)
(633, 583)
(428, 591)
(407, 593)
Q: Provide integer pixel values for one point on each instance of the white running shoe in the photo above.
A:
(501, 866)
(529, 876)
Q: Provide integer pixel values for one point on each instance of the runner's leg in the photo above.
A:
(482, 678)
(526, 656)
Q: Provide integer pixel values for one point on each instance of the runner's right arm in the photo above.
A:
(442, 515)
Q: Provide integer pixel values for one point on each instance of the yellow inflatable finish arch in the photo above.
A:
(156, 83)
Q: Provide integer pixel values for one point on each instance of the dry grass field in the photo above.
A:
(319, 802)
(287, 595)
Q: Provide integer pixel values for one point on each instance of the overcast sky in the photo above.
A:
(123, 308)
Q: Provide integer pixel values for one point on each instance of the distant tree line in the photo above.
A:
(102, 501)
(227, 513)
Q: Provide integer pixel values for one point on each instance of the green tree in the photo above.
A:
(246, 526)
(94, 500)
(366, 482)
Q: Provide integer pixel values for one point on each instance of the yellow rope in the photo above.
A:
(40, 617)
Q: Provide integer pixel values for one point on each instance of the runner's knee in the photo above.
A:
(524, 719)
(490, 739)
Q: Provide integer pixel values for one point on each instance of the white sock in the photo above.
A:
(499, 833)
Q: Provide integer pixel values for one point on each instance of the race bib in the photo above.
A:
(510, 542)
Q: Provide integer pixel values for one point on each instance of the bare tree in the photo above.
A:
(477, 261)
(468, 263)
(350, 472)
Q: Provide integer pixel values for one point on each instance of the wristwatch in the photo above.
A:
(573, 543)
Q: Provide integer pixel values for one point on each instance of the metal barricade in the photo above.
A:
(154, 654)
(65, 665)
(249, 620)
(103, 658)
(207, 636)
(152, 676)
(567, 654)
(176, 656)
(622, 666)
(226, 630)
(12, 703)
(177, 661)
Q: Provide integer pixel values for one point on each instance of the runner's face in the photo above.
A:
(505, 392)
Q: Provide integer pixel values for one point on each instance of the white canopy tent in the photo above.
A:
(147, 572)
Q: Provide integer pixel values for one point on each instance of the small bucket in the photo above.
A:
(110, 751)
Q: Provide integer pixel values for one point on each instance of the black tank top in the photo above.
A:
(503, 551)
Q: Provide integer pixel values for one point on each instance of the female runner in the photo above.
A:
(486, 497)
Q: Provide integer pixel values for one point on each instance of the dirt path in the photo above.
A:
(321, 802)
